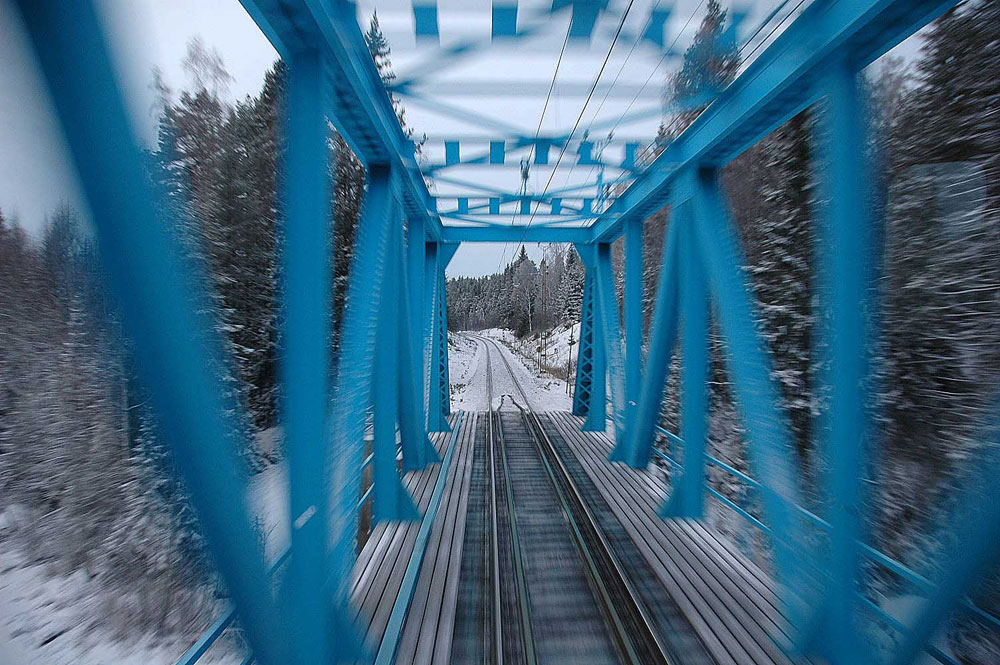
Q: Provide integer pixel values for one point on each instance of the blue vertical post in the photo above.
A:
(846, 253)
(162, 302)
(611, 335)
(306, 354)
(633, 316)
(585, 351)
(687, 499)
(392, 501)
(641, 432)
(418, 451)
(415, 258)
(445, 376)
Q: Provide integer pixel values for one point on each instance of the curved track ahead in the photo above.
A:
(557, 593)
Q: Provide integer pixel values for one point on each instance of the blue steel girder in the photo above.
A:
(769, 441)
(848, 231)
(522, 88)
(597, 407)
(177, 348)
(776, 86)
(508, 28)
(417, 448)
(306, 366)
(360, 108)
(356, 368)
(641, 430)
(633, 300)
(515, 233)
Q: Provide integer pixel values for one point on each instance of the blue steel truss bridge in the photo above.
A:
(512, 535)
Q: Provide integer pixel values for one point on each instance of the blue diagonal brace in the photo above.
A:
(356, 364)
(597, 407)
(975, 552)
(768, 434)
(633, 316)
(438, 402)
(306, 362)
(641, 432)
(161, 299)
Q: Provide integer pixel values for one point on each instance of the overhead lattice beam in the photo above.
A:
(361, 110)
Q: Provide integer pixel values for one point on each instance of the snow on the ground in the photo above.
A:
(53, 619)
(467, 369)
(267, 496)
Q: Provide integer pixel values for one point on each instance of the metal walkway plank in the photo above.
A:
(728, 600)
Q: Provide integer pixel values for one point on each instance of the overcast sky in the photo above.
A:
(34, 173)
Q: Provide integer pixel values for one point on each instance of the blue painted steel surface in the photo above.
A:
(585, 352)
(160, 297)
(818, 55)
(208, 638)
(974, 552)
(439, 395)
(516, 233)
(361, 110)
(773, 88)
(425, 20)
(597, 411)
(427, 334)
(417, 448)
(504, 20)
(392, 500)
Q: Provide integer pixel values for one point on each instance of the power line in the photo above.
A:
(579, 118)
(538, 129)
(656, 67)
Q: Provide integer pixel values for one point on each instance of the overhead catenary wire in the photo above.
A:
(645, 83)
(538, 129)
(579, 119)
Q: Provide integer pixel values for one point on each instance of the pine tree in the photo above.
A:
(710, 64)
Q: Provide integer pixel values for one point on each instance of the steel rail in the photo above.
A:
(495, 442)
(493, 552)
(632, 628)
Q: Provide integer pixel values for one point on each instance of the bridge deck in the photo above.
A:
(709, 602)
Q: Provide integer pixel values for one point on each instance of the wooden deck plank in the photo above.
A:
(723, 647)
(379, 570)
(423, 622)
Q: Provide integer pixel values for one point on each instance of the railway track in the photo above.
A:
(556, 591)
